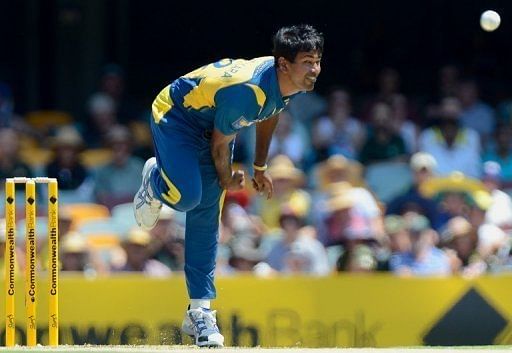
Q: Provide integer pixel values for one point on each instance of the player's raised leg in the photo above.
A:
(172, 177)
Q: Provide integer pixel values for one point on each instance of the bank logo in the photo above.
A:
(463, 324)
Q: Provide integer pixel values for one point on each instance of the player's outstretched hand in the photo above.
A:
(237, 181)
(262, 182)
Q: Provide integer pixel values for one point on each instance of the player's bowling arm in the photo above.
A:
(221, 154)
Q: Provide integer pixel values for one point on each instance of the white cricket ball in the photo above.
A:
(489, 20)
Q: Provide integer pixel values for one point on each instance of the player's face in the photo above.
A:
(305, 70)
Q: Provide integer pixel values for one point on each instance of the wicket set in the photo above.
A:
(30, 263)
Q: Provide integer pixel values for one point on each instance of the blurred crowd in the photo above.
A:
(382, 182)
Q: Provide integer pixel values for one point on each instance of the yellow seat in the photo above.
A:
(44, 120)
(103, 240)
(35, 157)
(96, 157)
(82, 212)
(141, 133)
(28, 141)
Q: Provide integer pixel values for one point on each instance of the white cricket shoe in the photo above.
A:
(146, 208)
(201, 324)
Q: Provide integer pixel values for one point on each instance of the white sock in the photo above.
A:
(199, 303)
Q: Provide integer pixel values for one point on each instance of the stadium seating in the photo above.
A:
(388, 179)
(46, 120)
(100, 233)
(81, 212)
(35, 157)
(122, 216)
(96, 157)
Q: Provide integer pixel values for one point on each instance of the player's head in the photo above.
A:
(290, 41)
(297, 52)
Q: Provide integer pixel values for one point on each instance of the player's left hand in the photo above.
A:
(262, 182)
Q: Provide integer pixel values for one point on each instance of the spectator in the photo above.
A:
(455, 148)
(75, 182)
(304, 258)
(343, 222)
(423, 166)
(448, 81)
(414, 250)
(168, 245)
(475, 114)
(124, 166)
(459, 240)
(287, 181)
(338, 216)
(289, 139)
(337, 174)
(138, 255)
(240, 240)
(10, 160)
(65, 221)
(499, 211)
(399, 238)
(500, 151)
(335, 169)
(388, 82)
(454, 194)
(382, 144)
(504, 109)
(360, 258)
(64, 227)
(245, 254)
(102, 117)
(8, 117)
(74, 254)
(297, 250)
(402, 122)
(350, 235)
(304, 107)
(113, 84)
(237, 223)
(493, 244)
(240, 197)
(338, 132)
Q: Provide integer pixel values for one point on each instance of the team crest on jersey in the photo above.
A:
(241, 122)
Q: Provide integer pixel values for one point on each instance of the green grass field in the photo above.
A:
(187, 349)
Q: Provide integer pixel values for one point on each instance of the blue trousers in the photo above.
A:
(187, 181)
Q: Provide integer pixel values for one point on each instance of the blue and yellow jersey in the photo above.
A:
(228, 95)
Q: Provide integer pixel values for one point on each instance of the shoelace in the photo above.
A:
(204, 321)
(146, 198)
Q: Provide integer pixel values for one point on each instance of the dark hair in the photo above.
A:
(289, 41)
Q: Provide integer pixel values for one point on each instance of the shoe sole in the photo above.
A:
(203, 345)
(147, 165)
(211, 346)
